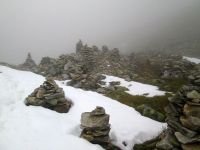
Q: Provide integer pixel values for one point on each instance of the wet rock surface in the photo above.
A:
(50, 96)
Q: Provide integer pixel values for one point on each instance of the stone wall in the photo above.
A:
(183, 118)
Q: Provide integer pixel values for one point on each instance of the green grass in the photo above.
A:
(157, 102)
(173, 85)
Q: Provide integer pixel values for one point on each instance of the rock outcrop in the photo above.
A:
(96, 127)
(50, 96)
(183, 119)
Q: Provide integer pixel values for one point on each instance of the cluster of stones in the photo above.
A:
(86, 81)
(183, 119)
(195, 76)
(164, 65)
(96, 127)
(113, 86)
(29, 64)
(84, 66)
(88, 56)
(50, 96)
(175, 67)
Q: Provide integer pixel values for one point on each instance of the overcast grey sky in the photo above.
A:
(52, 27)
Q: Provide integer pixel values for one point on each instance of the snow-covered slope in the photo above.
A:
(135, 88)
(36, 128)
(191, 59)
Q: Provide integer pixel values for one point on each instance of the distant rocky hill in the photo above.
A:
(85, 67)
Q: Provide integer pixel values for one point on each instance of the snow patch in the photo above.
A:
(36, 128)
(135, 88)
(191, 59)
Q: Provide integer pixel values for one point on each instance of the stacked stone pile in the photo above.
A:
(96, 127)
(50, 96)
(88, 58)
(183, 119)
(86, 81)
(29, 64)
(114, 55)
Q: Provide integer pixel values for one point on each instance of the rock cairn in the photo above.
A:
(183, 119)
(96, 127)
(50, 96)
(29, 64)
(79, 46)
(88, 58)
(114, 55)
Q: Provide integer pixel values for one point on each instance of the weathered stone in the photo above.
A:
(98, 111)
(52, 101)
(95, 136)
(195, 146)
(50, 96)
(171, 110)
(197, 81)
(54, 96)
(183, 118)
(68, 65)
(191, 122)
(168, 142)
(114, 83)
(196, 101)
(88, 120)
(101, 90)
(63, 107)
(193, 95)
(191, 103)
(186, 140)
(34, 101)
(191, 110)
(178, 127)
(40, 93)
(191, 77)
(96, 127)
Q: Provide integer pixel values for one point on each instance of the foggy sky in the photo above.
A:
(52, 27)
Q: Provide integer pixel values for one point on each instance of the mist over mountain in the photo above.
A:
(50, 28)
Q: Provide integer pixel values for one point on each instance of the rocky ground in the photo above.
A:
(85, 67)
(85, 70)
(182, 118)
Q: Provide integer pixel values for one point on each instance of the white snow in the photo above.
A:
(191, 59)
(36, 128)
(135, 88)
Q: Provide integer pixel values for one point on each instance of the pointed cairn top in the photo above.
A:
(29, 56)
(79, 46)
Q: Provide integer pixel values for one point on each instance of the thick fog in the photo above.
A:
(52, 27)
